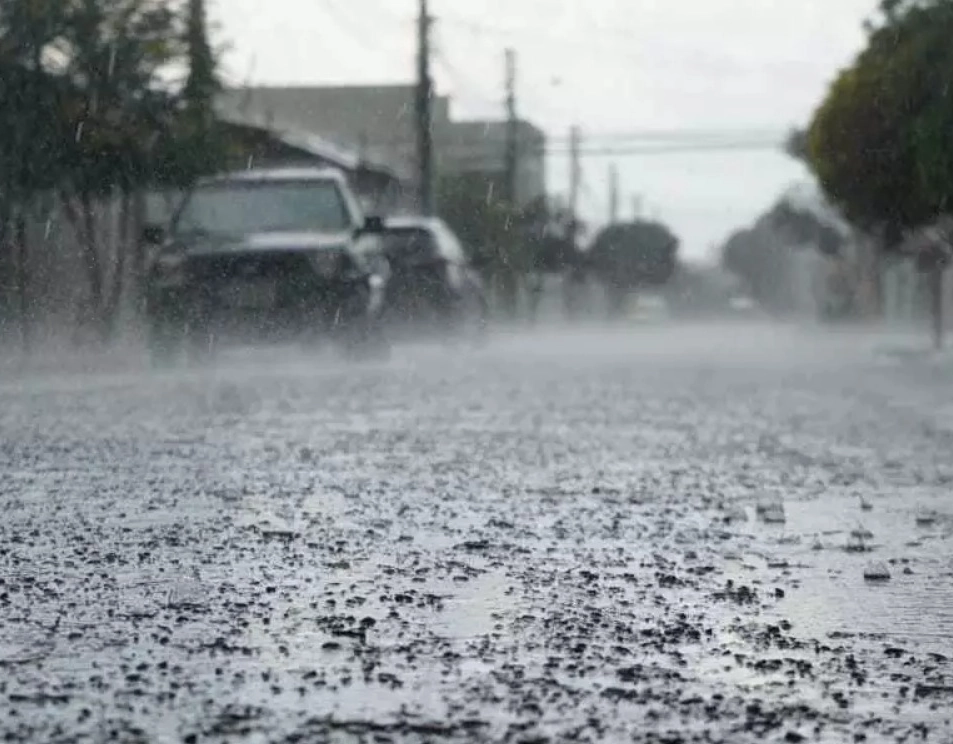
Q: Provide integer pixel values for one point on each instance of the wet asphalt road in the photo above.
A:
(554, 538)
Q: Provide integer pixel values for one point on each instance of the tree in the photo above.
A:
(195, 144)
(806, 227)
(116, 107)
(866, 142)
(29, 30)
(489, 227)
(635, 254)
(796, 145)
(881, 142)
(627, 256)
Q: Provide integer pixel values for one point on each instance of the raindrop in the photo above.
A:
(772, 512)
(877, 572)
(926, 518)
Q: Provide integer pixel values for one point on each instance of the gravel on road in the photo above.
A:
(660, 535)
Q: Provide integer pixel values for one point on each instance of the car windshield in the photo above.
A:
(263, 206)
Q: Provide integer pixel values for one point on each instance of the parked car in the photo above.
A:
(274, 254)
(649, 307)
(432, 287)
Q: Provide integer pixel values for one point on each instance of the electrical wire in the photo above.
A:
(680, 136)
(685, 148)
(462, 83)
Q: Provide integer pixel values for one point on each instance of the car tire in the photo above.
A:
(202, 341)
(472, 323)
(366, 341)
(165, 334)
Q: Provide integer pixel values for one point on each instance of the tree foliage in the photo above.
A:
(881, 143)
(91, 112)
(486, 225)
(634, 254)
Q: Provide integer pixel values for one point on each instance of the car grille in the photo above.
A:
(293, 266)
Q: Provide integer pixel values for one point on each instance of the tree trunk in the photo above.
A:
(24, 319)
(7, 264)
(936, 306)
(508, 292)
(137, 270)
(83, 221)
(112, 307)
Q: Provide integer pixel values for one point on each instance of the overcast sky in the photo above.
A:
(617, 68)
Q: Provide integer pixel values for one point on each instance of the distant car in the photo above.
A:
(743, 306)
(432, 285)
(267, 254)
(649, 308)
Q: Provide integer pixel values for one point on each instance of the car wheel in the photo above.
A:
(366, 341)
(165, 332)
(202, 341)
(200, 336)
(473, 323)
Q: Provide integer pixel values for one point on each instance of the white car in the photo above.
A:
(648, 308)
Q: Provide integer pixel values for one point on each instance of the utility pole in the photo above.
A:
(636, 206)
(613, 194)
(424, 112)
(512, 155)
(574, 280)
(574, 171)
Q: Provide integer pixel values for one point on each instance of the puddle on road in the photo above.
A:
(825, 589)
(474, 609)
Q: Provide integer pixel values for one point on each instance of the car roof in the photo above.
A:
(413, 222)
(277, 174)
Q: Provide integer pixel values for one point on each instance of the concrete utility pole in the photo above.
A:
(636, 206)
(512, 131)
(613, 194)
(574, 280)
(424, 113)
(574, 170)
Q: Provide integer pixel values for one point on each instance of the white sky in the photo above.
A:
(610, 66)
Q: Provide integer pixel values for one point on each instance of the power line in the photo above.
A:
(590, 151)
(461, 81)
(667, 149)
(682, 136)
(482, 28)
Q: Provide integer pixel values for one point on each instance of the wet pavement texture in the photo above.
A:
(660, 535)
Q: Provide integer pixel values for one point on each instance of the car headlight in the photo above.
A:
(327, 263)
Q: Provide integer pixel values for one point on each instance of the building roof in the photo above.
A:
(280, 174)
(362, 117)
(309, 142)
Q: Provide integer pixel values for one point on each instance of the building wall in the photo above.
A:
(380, 122)
(376, 120)
(480, 148)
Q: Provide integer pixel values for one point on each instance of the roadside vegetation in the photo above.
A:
(102, 101)
(881, 141)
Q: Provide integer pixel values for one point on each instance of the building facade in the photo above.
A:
(379, 123)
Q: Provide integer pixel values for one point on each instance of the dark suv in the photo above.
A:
(267, 254)
(432, 286)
